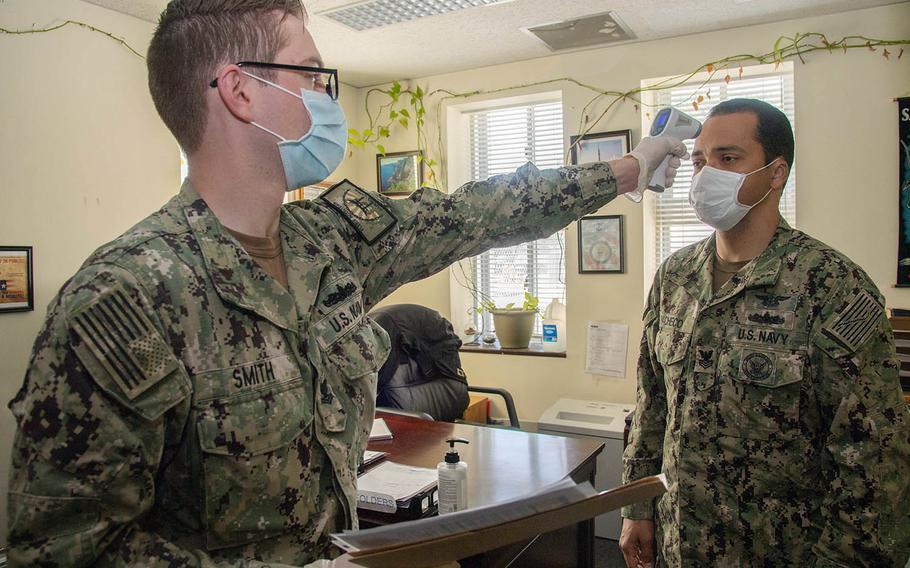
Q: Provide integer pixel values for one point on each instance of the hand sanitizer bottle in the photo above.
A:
(453, 480)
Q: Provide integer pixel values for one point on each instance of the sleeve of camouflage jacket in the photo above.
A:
(434, 230)
(866, 457)
(644, 454)
(88, 445)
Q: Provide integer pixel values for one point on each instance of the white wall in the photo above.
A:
(846, 194)
(84, 157)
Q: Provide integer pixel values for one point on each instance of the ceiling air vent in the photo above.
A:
(589, 31)
(379, 13)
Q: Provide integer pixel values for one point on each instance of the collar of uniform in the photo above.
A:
(761, 272)
(305, 262)
(236, 276)
(694, 272)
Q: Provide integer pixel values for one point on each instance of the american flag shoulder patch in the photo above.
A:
(124, 341)
(856, 322)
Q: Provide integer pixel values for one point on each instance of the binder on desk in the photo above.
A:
(448, 538)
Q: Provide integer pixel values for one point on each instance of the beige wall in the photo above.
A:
(84, 157)
(846, 157)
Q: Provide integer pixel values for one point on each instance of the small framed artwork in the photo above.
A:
(600, 146)
(308, 191)
(600, 244)
(399, 173)
(16, 285)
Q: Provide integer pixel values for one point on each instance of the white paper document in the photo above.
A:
(560, 493)
(370, 457)
(380, 430)
(606, 349)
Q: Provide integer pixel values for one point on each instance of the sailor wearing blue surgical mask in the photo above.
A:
(767, 383)
(212, 372)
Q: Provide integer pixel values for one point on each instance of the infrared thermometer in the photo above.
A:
(675, 124)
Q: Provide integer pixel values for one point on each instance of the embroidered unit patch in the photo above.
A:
(757, 366)
(125, 342)
(366, 213)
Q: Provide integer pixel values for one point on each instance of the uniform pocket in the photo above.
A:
(362, 352)
(252, 446)
(671, 345)
(760, 391)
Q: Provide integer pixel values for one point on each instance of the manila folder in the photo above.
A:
(436, 540)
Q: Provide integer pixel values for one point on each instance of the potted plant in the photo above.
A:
(514, 325)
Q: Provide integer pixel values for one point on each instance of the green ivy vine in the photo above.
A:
(406, 106)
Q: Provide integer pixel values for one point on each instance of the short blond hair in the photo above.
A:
(194, 38)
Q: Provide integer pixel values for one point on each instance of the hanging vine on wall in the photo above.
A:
(65, 23)
(395, 110)
(406, 106)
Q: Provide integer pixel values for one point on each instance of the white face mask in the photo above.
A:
(714, 195)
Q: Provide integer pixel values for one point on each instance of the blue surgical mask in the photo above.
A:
(313, 157)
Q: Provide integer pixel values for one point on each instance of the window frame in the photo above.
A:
(460, 172)
(650, 102)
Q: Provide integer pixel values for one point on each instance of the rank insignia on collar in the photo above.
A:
(366, 213)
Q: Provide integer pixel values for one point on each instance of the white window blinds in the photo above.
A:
(501, 140)
(672, 218)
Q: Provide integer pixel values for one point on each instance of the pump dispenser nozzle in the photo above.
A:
(452, 454)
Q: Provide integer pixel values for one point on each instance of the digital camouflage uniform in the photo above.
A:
(181, 408)
(774, 408)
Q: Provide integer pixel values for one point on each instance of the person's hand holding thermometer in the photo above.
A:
(663, 147)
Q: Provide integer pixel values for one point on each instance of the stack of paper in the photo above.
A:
(437, 540)
(371, 457)
(389, 485)
(380, 430)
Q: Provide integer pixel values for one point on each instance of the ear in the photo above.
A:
(235, 90)
(780, 171)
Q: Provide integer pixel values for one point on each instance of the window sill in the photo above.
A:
(535, 349)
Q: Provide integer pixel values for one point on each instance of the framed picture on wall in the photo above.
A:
(600, 146)
(308, 191)
(600, 244)
(16, 280)
(399, 173)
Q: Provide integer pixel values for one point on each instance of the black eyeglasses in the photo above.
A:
(323, 79)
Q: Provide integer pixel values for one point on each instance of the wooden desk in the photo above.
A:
(504, 464)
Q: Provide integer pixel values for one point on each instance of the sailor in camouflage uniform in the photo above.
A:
(769, 398)
(189, 405)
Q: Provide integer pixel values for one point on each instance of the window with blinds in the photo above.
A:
(501, 140)
(672, 218)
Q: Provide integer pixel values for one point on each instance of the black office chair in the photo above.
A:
(423, 372)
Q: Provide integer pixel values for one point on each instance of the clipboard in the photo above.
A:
(474, 531)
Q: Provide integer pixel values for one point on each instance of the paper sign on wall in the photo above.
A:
(606, 349)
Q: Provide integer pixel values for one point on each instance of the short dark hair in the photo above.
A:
(773, 132)
(196, 37)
